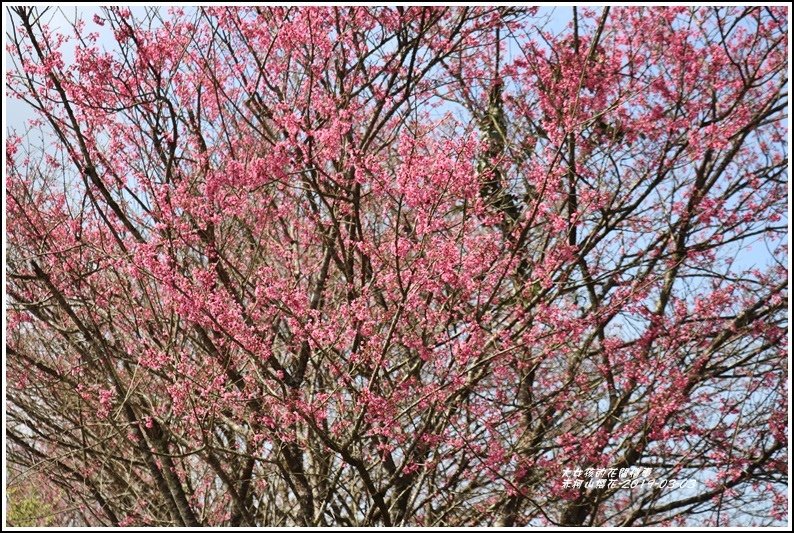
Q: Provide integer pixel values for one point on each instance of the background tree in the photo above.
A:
(399, 266)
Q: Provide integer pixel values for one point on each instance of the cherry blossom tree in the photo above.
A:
(399, 266)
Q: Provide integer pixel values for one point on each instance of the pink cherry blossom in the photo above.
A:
(398, 266)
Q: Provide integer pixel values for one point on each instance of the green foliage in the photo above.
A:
(27, 508)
